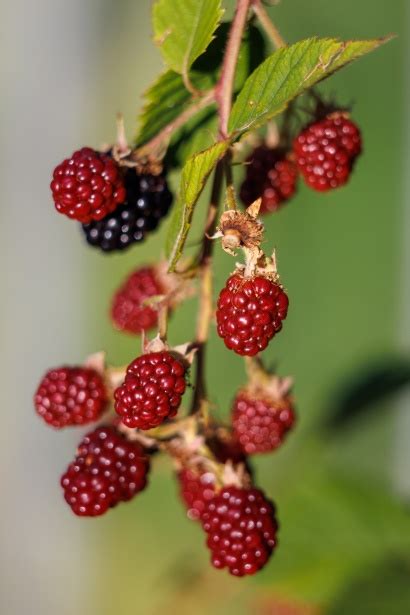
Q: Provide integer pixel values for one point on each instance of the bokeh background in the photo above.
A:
(342, 482)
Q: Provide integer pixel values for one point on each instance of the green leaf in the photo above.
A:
(201, 131)
(193, 179)
(165, 99)
(168, 97)
(288, 72)
(183, 30)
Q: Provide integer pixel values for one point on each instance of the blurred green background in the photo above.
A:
(339, 486)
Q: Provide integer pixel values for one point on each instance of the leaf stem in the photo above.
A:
(224, 88)
(158, 143)
(267, 24)
(205, 295)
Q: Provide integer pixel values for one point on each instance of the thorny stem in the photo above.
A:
(205, 299)
(267, 24)
(224, 88)
(157, 143)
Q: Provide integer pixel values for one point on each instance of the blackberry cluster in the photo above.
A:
(107, 470)
(152, 390)
(270, 174)
(241, 528)
(250, 312)
(326, 150)
(128, 312)
(148, 200)
(260, 423)
(70, 396)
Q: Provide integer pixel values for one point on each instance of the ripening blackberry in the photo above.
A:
(250, 312)
(70, 396)
(148, 200)
(326, 150)
(270, 174)
(260, 422)
(197, 486)
(152, 390)
(107, 470)
(88, 186)
(128, 312)
(241, 529)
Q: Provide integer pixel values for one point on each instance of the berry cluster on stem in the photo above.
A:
(120, 196)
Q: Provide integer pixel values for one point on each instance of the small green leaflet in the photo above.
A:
(165, 99)
(183, 30)
(287, 73)
(193, 179)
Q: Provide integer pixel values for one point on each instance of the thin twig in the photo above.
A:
(224, 88)
(267, 24)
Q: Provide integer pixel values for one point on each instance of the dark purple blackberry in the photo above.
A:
(148, 201)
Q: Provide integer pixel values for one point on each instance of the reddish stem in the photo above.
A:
(224, 88)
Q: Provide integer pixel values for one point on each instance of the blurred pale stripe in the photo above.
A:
(49, 59)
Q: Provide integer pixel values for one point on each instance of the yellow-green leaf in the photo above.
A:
(288, 72)
(183, 30)
(193, 179)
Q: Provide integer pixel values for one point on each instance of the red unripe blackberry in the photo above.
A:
(107, 470)
(241, 528)
(326, 150)
(152, 390)
(270, 174)
(250, 312)
(87, 186)
(260, 422)
(70, 396)
(148, 200)
(196, 489)
(127, 310)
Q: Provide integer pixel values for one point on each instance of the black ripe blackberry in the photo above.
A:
(148, 201)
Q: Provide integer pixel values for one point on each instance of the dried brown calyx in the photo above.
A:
(240, 229)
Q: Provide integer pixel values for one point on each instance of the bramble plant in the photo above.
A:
(212, 108)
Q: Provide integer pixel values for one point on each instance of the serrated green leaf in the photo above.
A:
(183, 30)
(193, 179)
(288, 72)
